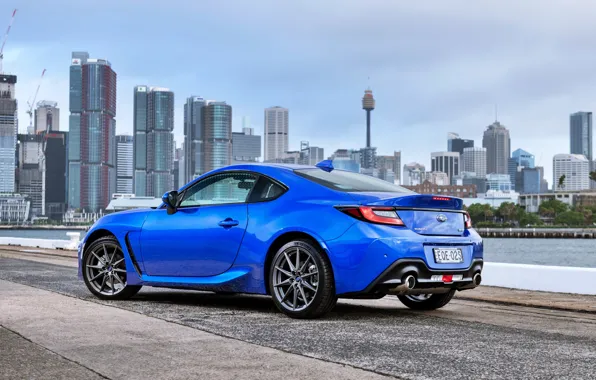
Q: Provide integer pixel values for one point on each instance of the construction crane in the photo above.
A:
(5, 38)
(32, 103)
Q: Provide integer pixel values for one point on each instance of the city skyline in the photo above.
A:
(455, 93)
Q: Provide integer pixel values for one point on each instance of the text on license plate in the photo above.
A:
(448, 255)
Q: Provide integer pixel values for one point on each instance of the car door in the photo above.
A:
(203, 236)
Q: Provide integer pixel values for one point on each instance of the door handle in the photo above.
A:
(228, 222)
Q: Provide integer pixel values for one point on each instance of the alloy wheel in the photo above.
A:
(106, 270)
(295, 279)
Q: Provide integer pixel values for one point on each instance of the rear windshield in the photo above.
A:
(349, 181)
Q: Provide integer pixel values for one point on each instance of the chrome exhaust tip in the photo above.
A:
(477, 279)
(410, 282)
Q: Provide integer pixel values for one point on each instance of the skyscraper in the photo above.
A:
(97, 135)
(275, 134)
(74, 128)
(390, 166)
(8, 132)
(124, 164)
(54, 170)
(153, 141)
(368, 104)
(523, 158)
(446, 162)
(246, 146)
(575, 168)
(193, 138)
(29, 177)
(217, 123)
(457, 144)
(497, 142)
(414, 174)
(47, 117)
(474, 160)
(580, 134)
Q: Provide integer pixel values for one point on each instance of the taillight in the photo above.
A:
(467, 220)
(379, 215)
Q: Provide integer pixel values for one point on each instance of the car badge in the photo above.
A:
(441, 218)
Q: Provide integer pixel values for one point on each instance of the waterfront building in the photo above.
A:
(47, 117)
(217, 123)
(92, 131)
(581, 134)
(29, 177)
(426, 187)
(193, 138)
(8, 132)
(342, 159)
(14, 208)
(497, 142)
(523, 158)
(275, 134)
(470, 178)
(474, 161)
(246, 146)
(437, 178)
(390, 163)
(457, 144)
(532, 202)
(311, 155)
(124, 164)
(414, 174)
(529, 181)
(498, 182)
(446, 162)
(153, 141)
(571, 172)
(54, 169)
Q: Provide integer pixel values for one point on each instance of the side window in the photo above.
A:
(266, 190)
(219, 189)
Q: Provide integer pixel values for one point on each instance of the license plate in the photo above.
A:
(448, 255)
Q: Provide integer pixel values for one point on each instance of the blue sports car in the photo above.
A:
(306, 235)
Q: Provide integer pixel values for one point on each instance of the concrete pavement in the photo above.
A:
(468, 339)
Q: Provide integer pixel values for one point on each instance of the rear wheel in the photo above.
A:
(104, 270)
(301, 280)
(427, 301)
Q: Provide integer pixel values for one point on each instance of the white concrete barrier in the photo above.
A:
(540, 277)
(44, 243)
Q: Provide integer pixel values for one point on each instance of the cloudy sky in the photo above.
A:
(435, 66)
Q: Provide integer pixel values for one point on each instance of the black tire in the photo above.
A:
(96, 249)
(324, 298)
(435, 301)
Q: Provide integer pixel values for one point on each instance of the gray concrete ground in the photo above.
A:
(170, 334)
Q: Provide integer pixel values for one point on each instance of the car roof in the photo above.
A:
(257, 165)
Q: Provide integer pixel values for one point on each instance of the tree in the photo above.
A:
(476, 211)
(593, 176)
(562, 182)
(488, 212)
(552, 207)
(570, 218)
(507, 210)
(529, 219)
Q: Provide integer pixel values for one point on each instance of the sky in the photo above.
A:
(434, 66)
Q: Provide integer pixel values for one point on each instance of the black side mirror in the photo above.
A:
(171, 201)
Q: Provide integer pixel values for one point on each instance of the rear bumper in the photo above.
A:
(367, 252)
(427, 280)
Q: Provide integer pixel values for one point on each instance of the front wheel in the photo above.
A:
(427, 301)
(104, 270)
(301, 280)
